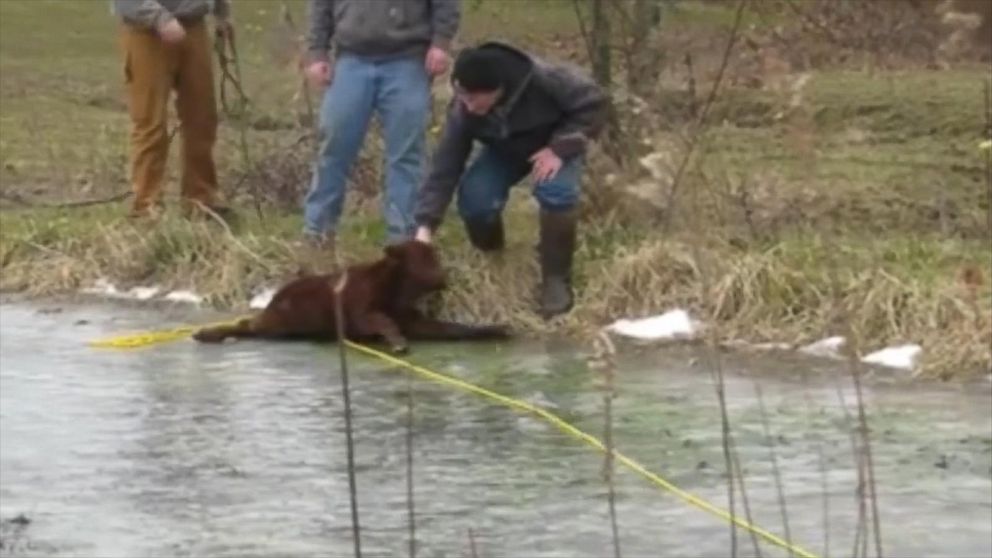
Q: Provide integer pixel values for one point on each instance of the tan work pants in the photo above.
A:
(152, 69)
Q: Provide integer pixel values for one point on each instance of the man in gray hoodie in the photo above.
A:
(385, 54)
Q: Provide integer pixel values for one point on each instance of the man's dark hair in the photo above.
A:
(479, 70)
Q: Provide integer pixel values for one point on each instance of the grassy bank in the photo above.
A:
(840, 194)
(796, 289)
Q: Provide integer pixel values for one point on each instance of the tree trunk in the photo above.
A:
(646, 54)
(601, 63)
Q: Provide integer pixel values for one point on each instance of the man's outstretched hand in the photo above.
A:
(546, 165)
(423, 234)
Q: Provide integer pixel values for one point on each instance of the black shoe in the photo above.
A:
(555, 251)
(486, 236)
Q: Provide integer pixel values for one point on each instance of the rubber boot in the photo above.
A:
(556, 248)
(486, 236)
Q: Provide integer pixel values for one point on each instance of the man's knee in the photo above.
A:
(485, 186)
(478, 207)
(562, 191)
(333, 137)
(557, 196)
(200, 134)
(479, 196)
(149, 136)
(405, 133)
(344, 111)
(332, 121)
(410, 109)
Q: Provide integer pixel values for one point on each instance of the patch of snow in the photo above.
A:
(262, 299)
(772, 346)
(104, 288)
(829, 347)
(538, 399)
(530, 424)
(184, 296)
(747, 346)
(143, 293)
(674, 324)
(903, 357)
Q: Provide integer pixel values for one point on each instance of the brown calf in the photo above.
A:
(377, 302)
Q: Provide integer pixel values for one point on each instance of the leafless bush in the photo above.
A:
(283, 175)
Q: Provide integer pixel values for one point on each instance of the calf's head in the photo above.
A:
(419, 266)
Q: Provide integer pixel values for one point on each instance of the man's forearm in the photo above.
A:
(321, 29)
(445, 20)
(448, 164)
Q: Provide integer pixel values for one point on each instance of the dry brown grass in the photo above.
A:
(779, 293)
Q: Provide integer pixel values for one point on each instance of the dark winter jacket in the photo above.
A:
(546, 104)
(381, 28)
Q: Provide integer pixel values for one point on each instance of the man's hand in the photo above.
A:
(546, 165)
(423, 234)
(320, 73)
(437, 61)
(172, 31)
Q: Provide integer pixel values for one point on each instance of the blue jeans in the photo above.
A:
(399, 90)
(485, 187)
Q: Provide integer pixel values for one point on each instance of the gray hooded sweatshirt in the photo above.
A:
(381, 28)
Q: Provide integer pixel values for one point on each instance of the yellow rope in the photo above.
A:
(149, 338)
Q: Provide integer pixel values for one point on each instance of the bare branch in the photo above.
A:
(775, 471)
(346, 394)
(693, 138)
(409, 466)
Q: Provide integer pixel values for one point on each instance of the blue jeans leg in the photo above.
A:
(561, 193)
(403, 101)
(344, 118)
(486, 185)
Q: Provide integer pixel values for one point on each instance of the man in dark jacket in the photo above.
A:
(533, 118)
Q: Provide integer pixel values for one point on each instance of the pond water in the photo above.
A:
(239, 450)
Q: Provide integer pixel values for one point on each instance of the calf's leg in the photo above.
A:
(377, 323)
(424, 328)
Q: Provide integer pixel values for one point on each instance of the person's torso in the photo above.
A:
(187, 9)
(382, 27)
(523, 130)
